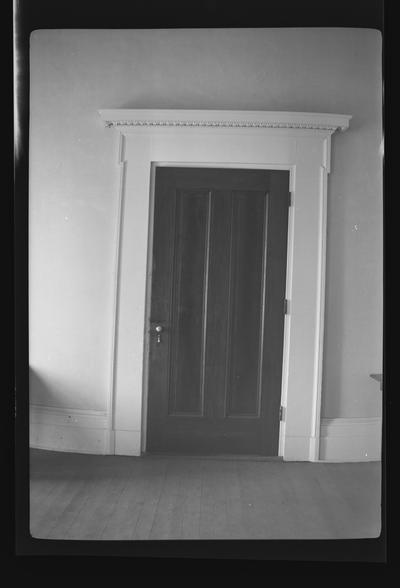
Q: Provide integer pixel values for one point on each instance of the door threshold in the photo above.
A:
(220, 457)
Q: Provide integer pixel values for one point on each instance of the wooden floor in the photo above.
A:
(111, 497)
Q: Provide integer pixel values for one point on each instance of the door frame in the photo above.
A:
(298, 142)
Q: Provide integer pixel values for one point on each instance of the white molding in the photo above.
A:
(117, 249)
(69, 429)
(128, 443)
(149, 275)
(351, 439)
(224, 118)
(298, 448)
(320, 306)
(299, 142)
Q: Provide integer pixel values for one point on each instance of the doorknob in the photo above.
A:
(158, 330)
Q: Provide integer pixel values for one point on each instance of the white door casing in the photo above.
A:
(299, 142)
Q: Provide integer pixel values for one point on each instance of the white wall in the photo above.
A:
(74, 184)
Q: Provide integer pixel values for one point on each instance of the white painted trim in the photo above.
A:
(128, 443)
(224, 118)
(288, 296)
(111, 395)
(320, 306)
(297, 448)
(351, 439)
(69, 429)
(296, 141)
(149, 275)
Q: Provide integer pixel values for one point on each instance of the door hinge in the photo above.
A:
(290, 200)
(282, 413)
(286, 306)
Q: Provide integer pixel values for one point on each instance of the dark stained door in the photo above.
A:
(218, 290)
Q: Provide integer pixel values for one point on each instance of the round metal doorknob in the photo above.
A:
(158, 328)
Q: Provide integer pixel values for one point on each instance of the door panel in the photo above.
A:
(218, 285)
(245, 304)
(186, 389)
(218, 292)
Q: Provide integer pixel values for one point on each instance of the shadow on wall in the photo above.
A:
(60, 387)
(41, 391)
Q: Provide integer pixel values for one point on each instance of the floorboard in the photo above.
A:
(76, 496)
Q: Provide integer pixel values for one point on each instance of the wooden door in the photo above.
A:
(218, 290)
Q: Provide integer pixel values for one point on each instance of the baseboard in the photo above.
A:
(351, 439)
(69, 429)
(87, 431)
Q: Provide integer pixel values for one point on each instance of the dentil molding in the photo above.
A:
(224, 119)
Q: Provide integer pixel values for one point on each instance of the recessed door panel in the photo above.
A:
(246, 273)
(191, 243)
